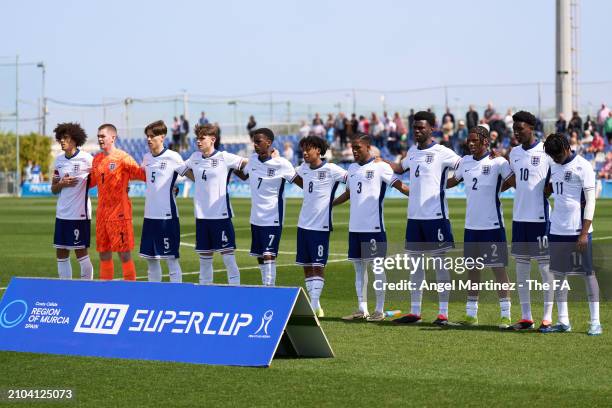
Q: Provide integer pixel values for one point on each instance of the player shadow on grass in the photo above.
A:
(431, 326)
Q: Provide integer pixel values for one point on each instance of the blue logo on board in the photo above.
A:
(13, 313)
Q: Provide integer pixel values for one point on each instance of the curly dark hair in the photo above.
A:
(555, 144)
(73, 130)
(314, 142)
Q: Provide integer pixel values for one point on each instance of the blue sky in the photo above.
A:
(96, 49)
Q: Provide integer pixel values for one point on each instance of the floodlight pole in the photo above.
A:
(17, 170)
(44, 98)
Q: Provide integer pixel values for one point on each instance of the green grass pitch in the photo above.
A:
(375, 364)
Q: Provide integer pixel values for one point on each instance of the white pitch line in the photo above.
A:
(225, 270)
(602, 238)
(188, 244)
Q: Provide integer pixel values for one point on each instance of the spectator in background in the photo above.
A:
(607, 128)
(27, 177)
(471, 117)
(318, 129)
(489, 112)
(347, 154)
(392, 137)
(508, 121)
(402, 132)
(184, 131)
(251, 124)
(539, 129)
(447, 127)
(561, 124)
(176, 134)
(340, 126)
(589, 124)
(445, 141)
(496, 124)
(376, 130)
(364, 125)
(602, 115)
(597, 145)
(575, 124)
(606, 171)
(459, 139)
(36, 173)
(304, 129)
(353, 125)
(575, 143)
(448, 114)
(494, 142)
(330, 121)
(203, 119)
(410, 123)
(316, 118)
(288, 152)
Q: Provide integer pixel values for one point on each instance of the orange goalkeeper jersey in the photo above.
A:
(112, 173)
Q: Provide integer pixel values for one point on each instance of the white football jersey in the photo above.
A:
(267, 181)
(212, 175)
(320, 186)
(73, 202)
(532, 170)
(483, 179)
(428, 172)
(161, 173)
(368, 184)
(569, 182)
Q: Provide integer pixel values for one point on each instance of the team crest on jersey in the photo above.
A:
(76, 168)
(162, 165)
(486, 169)
(321, 175)
(214, 162)
(112, 166)
(567, 176)
(369, 174)
(535, 160)
(429, 158)
(271, 172)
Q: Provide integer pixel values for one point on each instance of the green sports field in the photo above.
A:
(375, 364)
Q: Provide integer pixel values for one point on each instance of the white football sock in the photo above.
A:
(561, 295)
(269, 272)
(64, 268)
(416, 295)
(86, 268)
(233, 273)
(174, 269)
(206, 270)
(523, 271)
(380, 280)
(505, 307)
(361, 285)
(471, 307)
(443, 276)
(273, 272)
(315, 287)
(549, 295)
(154, 270)
(262, 268)
(592, 288)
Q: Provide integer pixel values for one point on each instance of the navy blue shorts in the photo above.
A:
(71, 234)
(367, 245)
(312, 247)
(214, 235)
(432, 236)
(265, 240)
(530, 240)
(566, 259)
(160, 238)
(490, 245)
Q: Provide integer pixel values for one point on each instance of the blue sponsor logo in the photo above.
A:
(13, 313)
